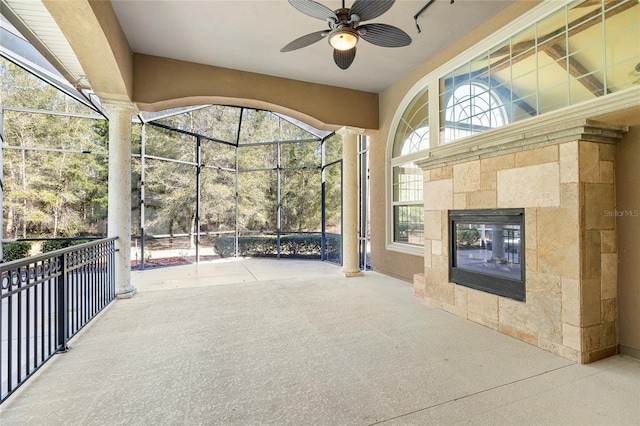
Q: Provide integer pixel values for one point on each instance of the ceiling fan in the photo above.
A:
(345, 29)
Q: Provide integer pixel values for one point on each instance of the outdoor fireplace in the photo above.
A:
(487, 251)
(548, 185)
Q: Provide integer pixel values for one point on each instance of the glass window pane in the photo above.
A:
(407, 183)
(489, 249)
(412, 134)
(408, 224)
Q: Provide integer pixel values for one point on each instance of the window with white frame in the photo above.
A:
(407, 204)
(581, 51)
(572, 53)
(472, 108)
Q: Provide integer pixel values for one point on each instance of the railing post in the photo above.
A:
(62, 318)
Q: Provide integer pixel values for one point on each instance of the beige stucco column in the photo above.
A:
(350, 263)
(119, 224)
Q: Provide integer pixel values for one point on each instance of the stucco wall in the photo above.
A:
(628, 211)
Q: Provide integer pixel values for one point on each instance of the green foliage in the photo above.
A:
(64, 194)
(48, 192)
(308, 245)
(52, 245)
(467, 237)
(15, 250)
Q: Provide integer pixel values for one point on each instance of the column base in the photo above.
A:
(349, 274)
(126, 292)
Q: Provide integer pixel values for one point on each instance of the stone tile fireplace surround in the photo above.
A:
(563, 176)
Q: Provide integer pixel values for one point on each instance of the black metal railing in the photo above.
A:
(46, 300)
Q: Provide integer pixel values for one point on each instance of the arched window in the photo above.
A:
(412, 135)
(472, 108)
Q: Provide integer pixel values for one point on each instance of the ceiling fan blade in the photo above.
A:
(384, 35)
(313, 9)
(344, 58)
(304, 41)
(369, 9)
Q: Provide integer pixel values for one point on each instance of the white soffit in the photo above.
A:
(34, 22)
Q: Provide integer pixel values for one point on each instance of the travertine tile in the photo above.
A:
(591, 301)
(546, 154)
(444, 236)
(440, 289)
(427, 253)
(591, 255)
(483, 304)
(571, 301)
(557, 348)
(466, 176)
(607, 172)
(500, 162)
(436, 247)
(599, 336)
(461, 297)
(441, 265)
(455, 310)
(608, 241)
(589, 162)
(438, 195)
(442, 173)
(481, 200)
(433, 225)
(571, 336)
(599, 354)
(530, 229)
(532, 186)
(540, 315)
(488, 181)
(609, 310)
(546, 284)
(569, 172)
(518, 334)
(599, 205)
(569, 195)
(531, 260)
(609, 279)
(558, 238)
(607, 152)
(481, 319)
(460, 201)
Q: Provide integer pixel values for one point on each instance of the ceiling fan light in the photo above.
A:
(343, 38)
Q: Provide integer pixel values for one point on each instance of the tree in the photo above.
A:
(53, 185)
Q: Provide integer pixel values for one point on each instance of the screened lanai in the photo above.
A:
(207, 180)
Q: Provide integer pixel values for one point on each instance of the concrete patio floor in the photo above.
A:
(261, 341)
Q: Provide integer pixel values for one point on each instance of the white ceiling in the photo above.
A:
(248, 35)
